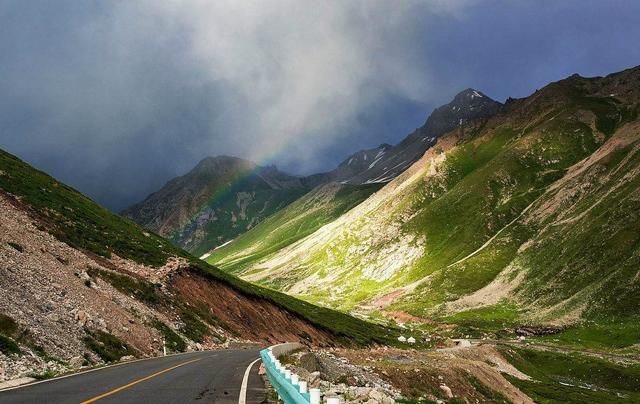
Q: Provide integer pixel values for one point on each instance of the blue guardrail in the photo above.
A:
(289, 393)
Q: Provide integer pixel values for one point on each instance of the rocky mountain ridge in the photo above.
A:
(384, 163)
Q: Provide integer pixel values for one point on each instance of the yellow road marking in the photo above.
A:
(94, 399)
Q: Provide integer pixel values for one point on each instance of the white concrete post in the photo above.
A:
(294, 378)
(164, 347)
(314, 396)
(287, 374)
(333, 400)
(303, 386)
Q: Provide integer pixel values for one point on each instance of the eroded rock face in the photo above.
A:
(60, 297)
(51, 297)
(253, 319)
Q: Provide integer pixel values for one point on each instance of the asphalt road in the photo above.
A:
(197, 377)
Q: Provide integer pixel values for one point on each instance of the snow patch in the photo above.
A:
(222, 245)
(380, 180)
(400, 164)
(374, 163)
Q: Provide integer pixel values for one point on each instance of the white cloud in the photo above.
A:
(295, 68)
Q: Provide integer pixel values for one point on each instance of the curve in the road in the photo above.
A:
(245, 382)
(199, 377)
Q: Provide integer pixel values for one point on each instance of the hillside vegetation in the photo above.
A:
(317, 208)
(76, 220)
(531, 215)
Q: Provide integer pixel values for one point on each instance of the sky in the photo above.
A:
(117, 97)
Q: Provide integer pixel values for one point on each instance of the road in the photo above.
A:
(196, 377)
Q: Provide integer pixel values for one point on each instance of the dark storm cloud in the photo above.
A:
(115, 97)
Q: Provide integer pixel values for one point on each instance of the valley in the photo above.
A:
(333, 202)
(514, 230)
(527, 216)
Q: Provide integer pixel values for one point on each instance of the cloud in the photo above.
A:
(116, 97)
(299, 70)
(145, 88)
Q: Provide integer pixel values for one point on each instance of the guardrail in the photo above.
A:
(290, 388)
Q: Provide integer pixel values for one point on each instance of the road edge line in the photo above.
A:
(242, 398)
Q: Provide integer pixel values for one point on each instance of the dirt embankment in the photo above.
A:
(246, 316)
(474, 374)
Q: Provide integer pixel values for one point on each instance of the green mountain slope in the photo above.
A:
(530, 214)
(317, 208)
(106, 238)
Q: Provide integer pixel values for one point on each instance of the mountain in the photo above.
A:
(386, 162)
(84, 286)
(219, 199)
(223, 197)
(531, 214)
(322, 205)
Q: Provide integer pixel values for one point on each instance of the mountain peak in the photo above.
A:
(222, 162)
(470, 93)
(471, 96)
(467, 105)
(222, 158)
(221, 197)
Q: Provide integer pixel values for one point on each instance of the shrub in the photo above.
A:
(9, 346)
(44, 375)
(107, 346)
(172, 340)
(16, 246)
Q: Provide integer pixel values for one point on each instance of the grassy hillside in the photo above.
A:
(81, 223)
(573, 377)
(530, 215)
(77, 220)
(319, 207)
